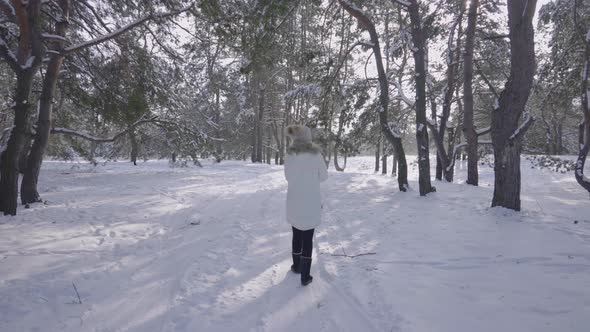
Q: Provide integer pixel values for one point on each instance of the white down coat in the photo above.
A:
(304, 171)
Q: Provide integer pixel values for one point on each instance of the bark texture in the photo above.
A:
(506, 132)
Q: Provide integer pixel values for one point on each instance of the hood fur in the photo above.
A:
(299, 133)
(303, 147)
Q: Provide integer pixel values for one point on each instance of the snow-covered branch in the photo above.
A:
(521, 130)
(402, 3)
(401, 95)
(95, 139)
(122, 30)
(485, 79)
(394, 129)
(358, 13)
(307, 90)
(483, 131)
(54, 37)
(457, 148)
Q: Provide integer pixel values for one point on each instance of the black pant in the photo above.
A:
(303, 242)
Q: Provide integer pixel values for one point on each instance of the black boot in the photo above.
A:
(296, 260)
(304, 267)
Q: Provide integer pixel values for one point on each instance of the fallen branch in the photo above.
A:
(78, 294)
(355, 255)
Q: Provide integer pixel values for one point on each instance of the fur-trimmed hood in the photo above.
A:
(303, 147)
(301, 136)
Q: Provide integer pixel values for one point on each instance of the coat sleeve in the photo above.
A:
(322, 171)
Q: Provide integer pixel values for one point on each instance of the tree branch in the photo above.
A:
(7, 9)
(402, 3)
(122, 30)
(485, 79)
(95, 139)
(483, 131)
(522, 129)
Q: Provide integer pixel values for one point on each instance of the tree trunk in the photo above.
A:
(384, 159)
(9, 171)
(259, 128)
(336, 165)
(584, 128)
(29, 191)
(30, 55)
(468, 125)
(422, 141)
(24, 154)
(450, 171)
(394, 166)
(134, 147)
(392, 135)
(377, 151)
(506, 133)
(439, 168)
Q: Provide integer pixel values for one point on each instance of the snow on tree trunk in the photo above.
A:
(506, 132)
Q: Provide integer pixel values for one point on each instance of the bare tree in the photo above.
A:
(388, 129)
(444, 155)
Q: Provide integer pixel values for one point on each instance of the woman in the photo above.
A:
(304, 170)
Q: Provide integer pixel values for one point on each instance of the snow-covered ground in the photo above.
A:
(153, 248)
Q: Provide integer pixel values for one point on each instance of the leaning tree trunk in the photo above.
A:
(468, 125)
(506, 132)
(336, 164)
(422, 141)
(388, 129)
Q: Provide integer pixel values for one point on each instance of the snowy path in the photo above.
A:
(157, 249)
